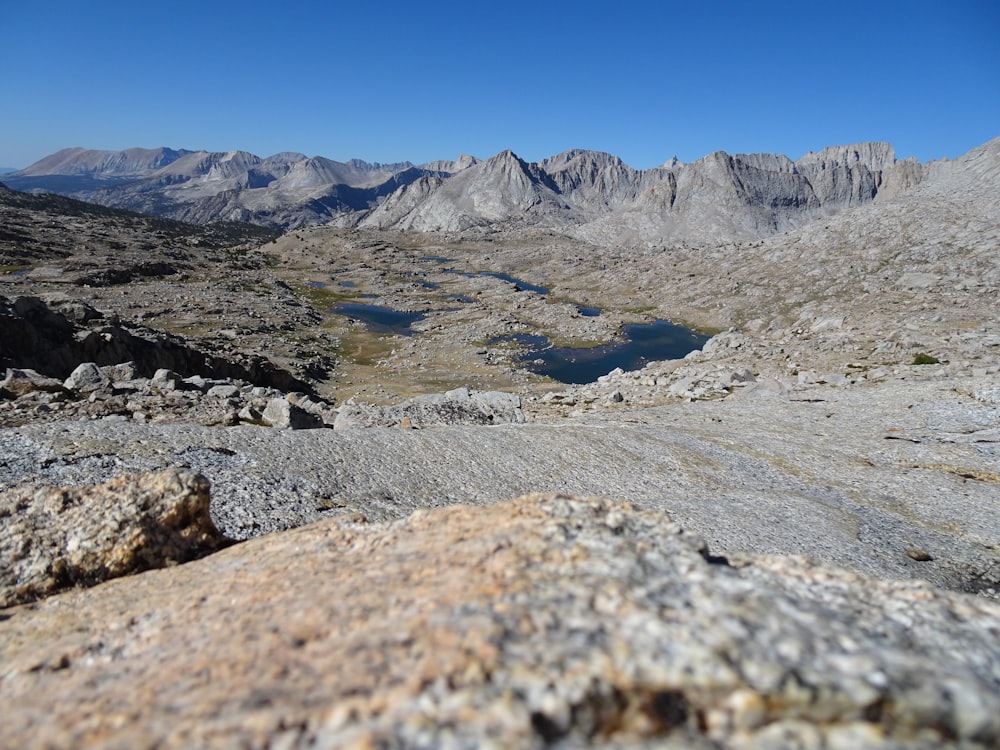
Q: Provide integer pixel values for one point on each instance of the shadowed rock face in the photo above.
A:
(521, 624)
(48, 340)
(55, 538)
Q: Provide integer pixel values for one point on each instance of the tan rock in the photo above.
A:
(55, 538)
(515, 625)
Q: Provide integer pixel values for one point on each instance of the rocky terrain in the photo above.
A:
(801, 545)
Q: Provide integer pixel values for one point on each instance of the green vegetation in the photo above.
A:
(925, 359)
(322, 298)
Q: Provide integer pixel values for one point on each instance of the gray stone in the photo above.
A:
(834, 378)
(197, 382)
(123, 372)
(284, 415)
(85, 378)
(19, 382)
(458, 406)
(165, 380)
(223, 391)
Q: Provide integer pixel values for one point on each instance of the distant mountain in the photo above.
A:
(589, 194)
(7, 170)
(281, 191)
(598, 197)
(130, 162)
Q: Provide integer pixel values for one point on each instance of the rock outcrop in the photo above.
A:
(545, 620)
(57, 538)
(54, 340)
(118, 393)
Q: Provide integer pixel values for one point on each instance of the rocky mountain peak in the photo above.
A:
(876, 156)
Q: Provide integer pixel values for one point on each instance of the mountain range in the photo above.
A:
(587, 194)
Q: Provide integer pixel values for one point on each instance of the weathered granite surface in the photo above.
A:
(854, 476)
(457, 406)
(544, 621)
(55, 538)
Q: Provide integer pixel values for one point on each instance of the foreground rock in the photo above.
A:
(530, 622)
(56, 538)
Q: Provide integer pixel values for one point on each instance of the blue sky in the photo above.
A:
(393, 81)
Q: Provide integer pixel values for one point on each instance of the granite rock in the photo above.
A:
(544, 621)
(19, 382)
(55, 538)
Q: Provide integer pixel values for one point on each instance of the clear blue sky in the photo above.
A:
(391, 81)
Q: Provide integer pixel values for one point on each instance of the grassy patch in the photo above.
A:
(366, 349)
(925, 359)
(322, 298)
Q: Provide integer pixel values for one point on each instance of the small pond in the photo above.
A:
(642, 343)
(379, 319)
(521, 286)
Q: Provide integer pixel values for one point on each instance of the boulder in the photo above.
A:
(543, 621)
(122, 372)
(165, 380)
(283, 414)
(85, 378)
(19, 382)
(56, 538)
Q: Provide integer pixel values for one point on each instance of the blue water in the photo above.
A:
(316, 284)
(521, 286)
(379, 319)
(589, 312)
(423, 282)
(642, 343)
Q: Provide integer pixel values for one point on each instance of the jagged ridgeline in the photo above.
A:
(589, 194)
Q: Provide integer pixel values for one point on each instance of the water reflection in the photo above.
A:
(641, 344)
(378, 319)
